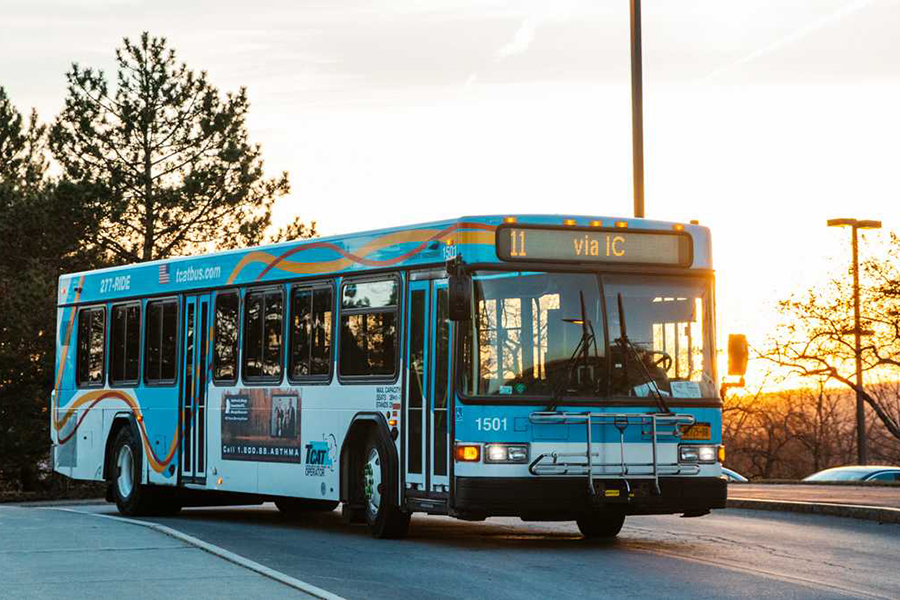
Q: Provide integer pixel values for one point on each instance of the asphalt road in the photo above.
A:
(729, 554)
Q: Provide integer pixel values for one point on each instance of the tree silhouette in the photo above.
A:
(42, 227)
(22, 161)
(169, 154)
(789, 434)
(815, 336)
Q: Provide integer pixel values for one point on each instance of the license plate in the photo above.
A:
(697, 431)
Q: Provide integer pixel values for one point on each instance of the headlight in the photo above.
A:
(506, 453)
(698, 454)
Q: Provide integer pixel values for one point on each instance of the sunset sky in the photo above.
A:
(762, 119)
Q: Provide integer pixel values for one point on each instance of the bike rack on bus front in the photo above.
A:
(582, 463)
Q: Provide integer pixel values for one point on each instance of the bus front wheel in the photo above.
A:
(601, 524)
(132, 498)
(383, 516)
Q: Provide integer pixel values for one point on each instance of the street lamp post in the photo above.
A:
(637, 110)
(856, 225)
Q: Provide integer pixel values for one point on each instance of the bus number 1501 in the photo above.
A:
(491, 424)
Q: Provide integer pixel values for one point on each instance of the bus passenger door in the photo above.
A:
(426, 407)
(194, 380)
(440, 388)
(417, 380)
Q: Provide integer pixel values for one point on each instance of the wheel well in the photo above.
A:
(354, 444)
(118, 423)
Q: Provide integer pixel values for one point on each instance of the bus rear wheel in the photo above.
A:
(295, 506)
(383, 516)
(605, 524)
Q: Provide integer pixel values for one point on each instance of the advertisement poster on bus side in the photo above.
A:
(262, 425)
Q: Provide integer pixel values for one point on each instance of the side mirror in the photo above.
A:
(460, 292)
(738, 353)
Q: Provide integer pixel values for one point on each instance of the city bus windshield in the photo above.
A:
(543, 335)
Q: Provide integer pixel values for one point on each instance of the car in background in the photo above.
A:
(733, 476)
(857, 473)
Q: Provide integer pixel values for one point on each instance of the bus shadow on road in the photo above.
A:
(424, 531)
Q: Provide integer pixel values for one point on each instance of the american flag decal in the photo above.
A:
(164, 274)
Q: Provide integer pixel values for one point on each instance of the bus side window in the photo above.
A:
(263, 332)
(91, 347)
(311, 332)
(125, 345)
(225, 338)
(161, 342)
(369, 328)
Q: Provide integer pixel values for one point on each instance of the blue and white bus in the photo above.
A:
(545, 367)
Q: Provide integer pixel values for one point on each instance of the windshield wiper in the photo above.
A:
(583, 349)
(627, 345)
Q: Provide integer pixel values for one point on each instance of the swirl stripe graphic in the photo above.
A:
(482, 234)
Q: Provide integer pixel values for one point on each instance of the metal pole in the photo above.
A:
(860, 412)
(637, 110)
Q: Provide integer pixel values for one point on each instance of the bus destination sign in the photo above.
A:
(594, 245)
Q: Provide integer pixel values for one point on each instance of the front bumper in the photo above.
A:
(566, 498)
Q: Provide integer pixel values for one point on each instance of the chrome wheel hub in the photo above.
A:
(125, 464)
(372, 482)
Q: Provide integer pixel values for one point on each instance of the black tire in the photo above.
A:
(296, 506)
(600, 525)
(383, 516)
(132, 498)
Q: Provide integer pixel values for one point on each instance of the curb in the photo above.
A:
(852, 511)
(53, 503)
(231, 557)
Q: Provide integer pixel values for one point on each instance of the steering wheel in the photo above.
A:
(660, 358)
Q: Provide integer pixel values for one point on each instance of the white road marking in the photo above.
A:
(231, 557)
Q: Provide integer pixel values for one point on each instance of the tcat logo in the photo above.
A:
(317, 454)
(320, 456)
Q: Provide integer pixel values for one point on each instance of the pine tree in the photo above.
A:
(168, 153)
(22, 161)
(43, 225)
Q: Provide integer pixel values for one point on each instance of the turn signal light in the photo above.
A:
(468, 453)
(722, 454)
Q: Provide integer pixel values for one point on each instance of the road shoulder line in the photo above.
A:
(231, 557)
(880, 514)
